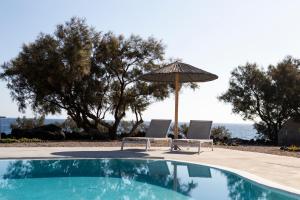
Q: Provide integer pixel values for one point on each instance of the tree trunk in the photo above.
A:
(275, 137)
(114, 128)
(134, 127)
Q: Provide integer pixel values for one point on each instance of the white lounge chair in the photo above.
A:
(157, 130)
(198, 133)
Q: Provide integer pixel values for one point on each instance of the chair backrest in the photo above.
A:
(199, 129)
(158, 128)
(158, 168)
(199, 171)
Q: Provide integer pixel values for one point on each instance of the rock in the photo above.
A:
(91, 135)
(3, 135)
(137, 134)
(95, 134)
(284, 148)
(19, 133)
(49, 132)
(73, 135)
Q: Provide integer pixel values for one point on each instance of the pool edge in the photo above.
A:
(249, 176)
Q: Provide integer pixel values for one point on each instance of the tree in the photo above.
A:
(86, 73)
(268, 97)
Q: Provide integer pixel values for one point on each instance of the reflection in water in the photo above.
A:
(243, 189)
(152, 172)
(143, 171)
(124, 179)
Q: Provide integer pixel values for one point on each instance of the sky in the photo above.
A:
(214, 35)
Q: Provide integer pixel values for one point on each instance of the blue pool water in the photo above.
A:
(125, 179)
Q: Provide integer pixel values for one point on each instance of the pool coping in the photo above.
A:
(263, 182)
(250, 177)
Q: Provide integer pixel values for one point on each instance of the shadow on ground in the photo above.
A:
(132, 153)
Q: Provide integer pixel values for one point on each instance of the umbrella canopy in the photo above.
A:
(187, 73)
(177, 73)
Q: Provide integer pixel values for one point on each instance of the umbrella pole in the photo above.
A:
(176, 105)
(175, 177)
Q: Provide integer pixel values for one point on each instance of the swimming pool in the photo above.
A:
(125, 179)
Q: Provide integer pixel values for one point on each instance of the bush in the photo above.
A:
(221, 133)
(69, 125)
(46, 132)
(8, 140)
(293, 148)
(182, 131)
(28, 123)
(183, 128)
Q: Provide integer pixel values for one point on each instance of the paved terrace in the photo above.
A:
(276, 171)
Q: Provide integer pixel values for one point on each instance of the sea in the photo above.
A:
(243, 131)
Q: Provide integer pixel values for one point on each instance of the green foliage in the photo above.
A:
(220, 132)
(268, 96)
(87, 73)
(8, 140)
(28, 123)
(183, 128)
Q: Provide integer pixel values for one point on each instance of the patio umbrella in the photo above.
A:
(177, 73)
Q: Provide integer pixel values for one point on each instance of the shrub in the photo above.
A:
(28, 123)
(8, 140)
(293, 148)
(182, 131)
(220, 132)
(183, 128)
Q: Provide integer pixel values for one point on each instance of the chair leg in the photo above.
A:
(199, 147)
(147, 144)
(122, 145)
